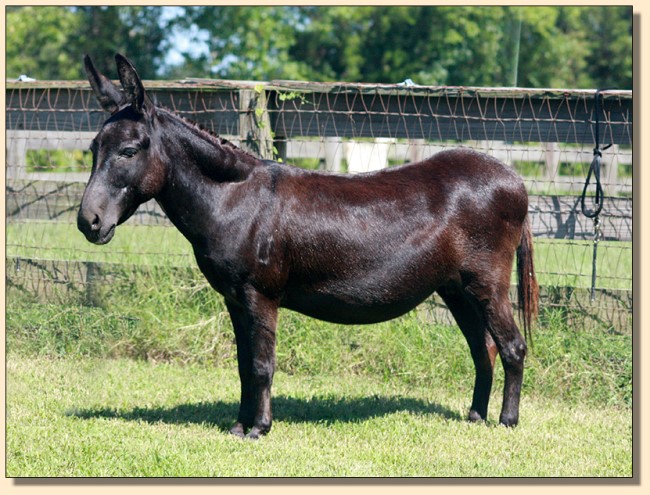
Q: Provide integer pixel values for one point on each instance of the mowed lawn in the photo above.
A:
(94, 417)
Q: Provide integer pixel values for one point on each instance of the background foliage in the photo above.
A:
(561, 46)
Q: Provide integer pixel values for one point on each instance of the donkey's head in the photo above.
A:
(127, 170)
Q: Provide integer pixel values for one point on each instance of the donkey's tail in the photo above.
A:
(527, 287)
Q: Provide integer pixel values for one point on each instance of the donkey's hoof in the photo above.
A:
(509, 420)
(475, 417)
(256, 432)
(238, 430)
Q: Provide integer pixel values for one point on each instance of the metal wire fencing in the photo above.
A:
(548, 136)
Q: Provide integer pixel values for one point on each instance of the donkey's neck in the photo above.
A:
(202, 173)
(215, 158)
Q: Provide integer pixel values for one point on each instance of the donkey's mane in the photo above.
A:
(211, 135)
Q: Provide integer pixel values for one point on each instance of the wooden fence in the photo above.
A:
(547, 134)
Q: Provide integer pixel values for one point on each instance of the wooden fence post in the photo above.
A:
(16, 149)
(611, 170)
(333, 151)
(416, 150)
(552, 160)
(92, 294)
(254, 123)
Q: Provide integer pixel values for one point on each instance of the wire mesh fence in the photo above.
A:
(548, 136)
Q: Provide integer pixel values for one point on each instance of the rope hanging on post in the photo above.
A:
(594, 169)
(595, 166)
(597, 235)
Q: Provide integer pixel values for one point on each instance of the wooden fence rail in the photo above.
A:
(298, 109)
(359, 157)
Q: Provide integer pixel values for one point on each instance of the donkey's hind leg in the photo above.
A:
(482, 347)
(512, 351)
(492, 302)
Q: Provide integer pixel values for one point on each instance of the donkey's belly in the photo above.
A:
(335, 311)
(353, 306)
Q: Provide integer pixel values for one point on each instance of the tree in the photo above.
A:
(138, 32)
(250, 43)
(45, 52)
(49, 42)
(608, 34)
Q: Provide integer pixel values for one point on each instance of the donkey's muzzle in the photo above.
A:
(90, 224)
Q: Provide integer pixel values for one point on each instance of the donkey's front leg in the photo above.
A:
(254, 324)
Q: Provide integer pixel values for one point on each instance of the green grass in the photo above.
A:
(558, 262)
(44, 160)
(567, 263)
(147, 386)
(97, 418)
(590, 367)
(139, 245)
(530, 168)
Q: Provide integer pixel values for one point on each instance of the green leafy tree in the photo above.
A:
(37, 43)
(608, 34)
(138, 32)
(49, 42)
(250, 43)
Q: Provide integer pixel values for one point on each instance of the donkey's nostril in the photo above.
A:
(96, 224)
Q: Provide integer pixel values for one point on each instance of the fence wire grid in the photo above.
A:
(548, 136)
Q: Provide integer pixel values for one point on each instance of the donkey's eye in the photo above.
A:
(128, 152)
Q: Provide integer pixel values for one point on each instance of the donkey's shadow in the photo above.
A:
(325, 410)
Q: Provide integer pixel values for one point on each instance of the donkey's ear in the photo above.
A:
(109, 95)
(132, 85)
